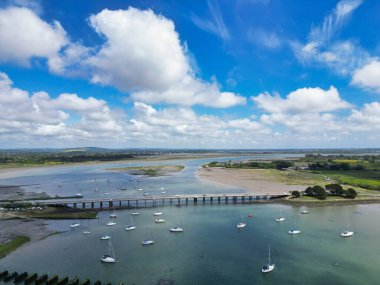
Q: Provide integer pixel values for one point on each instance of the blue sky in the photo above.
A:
(190, 74)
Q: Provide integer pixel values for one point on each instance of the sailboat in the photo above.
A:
(159, 220)
(347, 233)
(294, 231)
(105, 237)
(113, 215)
(111, 223)
(158, 213)
(178, 228)
(281, 218)
(148, 241)
(86, 231)
(131, 227)
(269, 267)
(241, 224)
(108, 258)
(76, 223)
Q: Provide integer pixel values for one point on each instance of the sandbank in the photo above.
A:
(259, 181)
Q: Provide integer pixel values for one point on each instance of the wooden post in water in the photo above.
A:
(219, 199)
(101, 205)
(92, 205)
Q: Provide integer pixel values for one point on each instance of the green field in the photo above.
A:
(8, 247)
(369, 179)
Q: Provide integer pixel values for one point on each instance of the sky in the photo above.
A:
(246, 74)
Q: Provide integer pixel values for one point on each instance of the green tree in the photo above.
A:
(351, 193)
(335, 189)
(296, 194)
(319, 192)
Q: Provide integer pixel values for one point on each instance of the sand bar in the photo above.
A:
(254, 180)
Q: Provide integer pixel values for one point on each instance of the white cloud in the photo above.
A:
(303, 100)
(368, 76)
(366, 119)
(334, 21)
(322, 47)
(65, 118)
(264, 38)
(27, 36)
(215, 24)
(172, 127)
(306, 110)
(143, 55)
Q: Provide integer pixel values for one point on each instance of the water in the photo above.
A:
(211, 250)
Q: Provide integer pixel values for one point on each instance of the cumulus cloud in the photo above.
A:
(172, 126)
(143, 55)
(366, 119)
(28, 38)
(305, 110)
(368, 76)
(303, 100)
(65, 118)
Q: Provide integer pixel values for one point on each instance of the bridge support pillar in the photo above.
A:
(101, 205)
(110, 204)
(195, 200)
(92, 205)
(83, 205)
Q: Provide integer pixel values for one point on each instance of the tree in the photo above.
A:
(296, 194)
(351, 193)
(281, 164)
(319, 192)
(335, 189)
(309, 191)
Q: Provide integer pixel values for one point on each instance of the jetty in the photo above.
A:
(149, 201)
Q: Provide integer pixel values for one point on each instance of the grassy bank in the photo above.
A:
(57, 213)
(8, 247)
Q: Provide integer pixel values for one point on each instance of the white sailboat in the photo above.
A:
(268, 267)
(159, 221)
(294, 231)
(105, 237)
(178, 228)
(113, 215)
(135, 214)
(111, 223)
(347, 233)
(131, 227)
(158, 212)
(108, 258)
(280, 218)
(76, 223)
(147, 242)
(242, 224)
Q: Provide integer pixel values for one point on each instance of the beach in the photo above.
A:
(259, 181)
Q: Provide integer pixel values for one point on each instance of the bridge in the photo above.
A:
(149, 201)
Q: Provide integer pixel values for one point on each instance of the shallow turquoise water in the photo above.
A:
(213, 251)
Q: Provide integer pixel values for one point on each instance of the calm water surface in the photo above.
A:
(211, 250)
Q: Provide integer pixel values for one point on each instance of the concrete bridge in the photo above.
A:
(149, 201)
